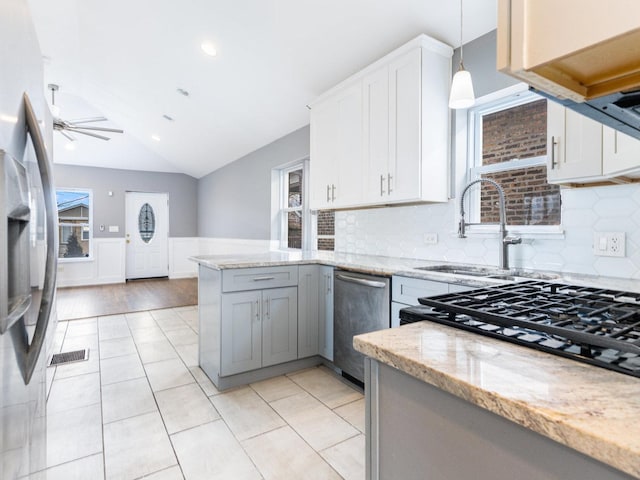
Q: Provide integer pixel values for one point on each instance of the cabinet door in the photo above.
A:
(349, 183)
(620, 152)
(375, 91)
(241, 332)
(279, 325)
(308, 310)
(323, 153)
(325, 327)
(574, 145)
(405, 126)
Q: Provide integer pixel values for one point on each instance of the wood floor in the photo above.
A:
(133, 296)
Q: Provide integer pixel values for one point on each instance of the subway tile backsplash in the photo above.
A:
(399, 232)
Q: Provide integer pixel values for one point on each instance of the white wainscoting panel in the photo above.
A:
(180, 249)
(106, 266)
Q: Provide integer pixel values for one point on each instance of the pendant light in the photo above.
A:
(461, 95)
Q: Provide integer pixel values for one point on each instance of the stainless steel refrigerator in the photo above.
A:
(28, 245)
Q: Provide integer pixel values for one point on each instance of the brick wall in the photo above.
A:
(326, 226)
(519, 132)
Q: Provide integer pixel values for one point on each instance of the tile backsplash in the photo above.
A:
(399, 232)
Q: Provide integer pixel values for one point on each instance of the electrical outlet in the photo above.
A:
(609, 244)
(431, 238)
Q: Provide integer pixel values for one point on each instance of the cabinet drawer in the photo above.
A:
(407, 290)
(239, 279)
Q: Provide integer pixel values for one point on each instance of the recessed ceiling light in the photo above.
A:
(156, 137)
(70, 146)
(208, 48)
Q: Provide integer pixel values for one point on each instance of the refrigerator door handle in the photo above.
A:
(26, 352)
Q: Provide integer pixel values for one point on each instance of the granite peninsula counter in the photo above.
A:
(588, 409)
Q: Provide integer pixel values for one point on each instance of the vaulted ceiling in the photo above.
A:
(127, 60)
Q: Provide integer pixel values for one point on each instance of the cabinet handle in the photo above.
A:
(615, 142)
(333, 192)
(261, 279)
(389, 178)
(553, 152)
(257, 310)
(327, 280)
(328, 192)
(381, 185)
(267, 307)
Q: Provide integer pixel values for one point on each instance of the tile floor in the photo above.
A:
(141, 407)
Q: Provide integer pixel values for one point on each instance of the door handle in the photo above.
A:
(361, 281)
(28, 353)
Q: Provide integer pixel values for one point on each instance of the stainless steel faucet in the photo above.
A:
(505, 239)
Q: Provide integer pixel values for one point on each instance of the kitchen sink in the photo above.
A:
(489, 272)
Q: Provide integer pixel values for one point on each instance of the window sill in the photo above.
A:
(534, 233)
(75, 259)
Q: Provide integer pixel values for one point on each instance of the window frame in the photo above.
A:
(501, 100)
(282, 209)
(88, 225)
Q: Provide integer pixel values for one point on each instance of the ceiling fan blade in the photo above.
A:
(67, 136)
(88, 120)
(101, 137)
(100, 129)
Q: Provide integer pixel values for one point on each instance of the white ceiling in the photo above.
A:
(126, 60)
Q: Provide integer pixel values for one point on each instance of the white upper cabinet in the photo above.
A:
(336, 143)
(393, 146)
(621, 153)
(574, 145)
(583, 151)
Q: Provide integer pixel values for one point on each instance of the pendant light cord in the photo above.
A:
(461, 52)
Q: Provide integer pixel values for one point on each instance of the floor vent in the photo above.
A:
(69, 357)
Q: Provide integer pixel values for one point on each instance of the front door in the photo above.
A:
(147, 235)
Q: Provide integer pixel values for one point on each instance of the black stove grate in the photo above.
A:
(597, 326)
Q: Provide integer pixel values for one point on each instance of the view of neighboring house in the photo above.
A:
(73, 223)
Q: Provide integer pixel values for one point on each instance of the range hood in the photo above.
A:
(584, 54)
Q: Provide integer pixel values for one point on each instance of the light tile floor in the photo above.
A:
(141, 407)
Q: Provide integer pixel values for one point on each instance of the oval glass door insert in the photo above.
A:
(146, 223)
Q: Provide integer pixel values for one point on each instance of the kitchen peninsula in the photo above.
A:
(446, 403)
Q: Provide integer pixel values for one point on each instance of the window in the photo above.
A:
(508, 139)
(74, 223)
(293, 224)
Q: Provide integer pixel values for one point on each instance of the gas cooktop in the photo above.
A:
(593, 325)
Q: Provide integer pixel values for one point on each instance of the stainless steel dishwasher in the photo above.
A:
(361, 305)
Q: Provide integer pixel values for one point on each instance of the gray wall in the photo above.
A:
(235, 200)
(480, 60)
(182, 190)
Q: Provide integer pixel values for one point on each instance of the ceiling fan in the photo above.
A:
(68, 127)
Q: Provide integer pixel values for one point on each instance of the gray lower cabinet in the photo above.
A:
(416, 431)
(325, 312)
(259, 328)
(315, 311)
(308, 311)
(405, 292)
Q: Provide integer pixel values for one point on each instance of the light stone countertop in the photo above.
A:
(387, 266)
(589, 409)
